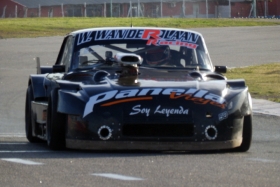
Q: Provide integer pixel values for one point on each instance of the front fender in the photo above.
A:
(71, 102)
(241, 104)
(37, 83)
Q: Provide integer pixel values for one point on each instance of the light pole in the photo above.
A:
(161, 8)
(229, 5)
(111, 8)
(206, 9)
(255, 10)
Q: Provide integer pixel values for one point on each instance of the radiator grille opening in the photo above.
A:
(158, 130)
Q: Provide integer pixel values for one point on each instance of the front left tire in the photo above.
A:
(29, 121)
(56, 123)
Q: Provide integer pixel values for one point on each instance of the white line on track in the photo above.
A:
(25, 151)
(17, 135)
(14, 143)
(116, 176)
(262, 160)
(21, 161)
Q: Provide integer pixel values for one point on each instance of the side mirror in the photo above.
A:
(58, 68)
(220, 69)
(42, 69)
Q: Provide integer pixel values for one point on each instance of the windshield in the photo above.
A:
(155, 53)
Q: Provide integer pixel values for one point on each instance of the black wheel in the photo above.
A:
(246, 134)
(55, 124)
(28, 117)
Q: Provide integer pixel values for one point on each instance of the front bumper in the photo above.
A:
(150, 145)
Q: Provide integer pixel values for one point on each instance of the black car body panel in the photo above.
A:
(123, 102)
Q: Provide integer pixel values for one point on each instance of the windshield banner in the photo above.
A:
(153, 36)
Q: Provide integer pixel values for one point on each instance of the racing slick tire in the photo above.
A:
(246, 135)
(55, 124)
(28, 117)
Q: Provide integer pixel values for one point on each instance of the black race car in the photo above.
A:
(132, 88)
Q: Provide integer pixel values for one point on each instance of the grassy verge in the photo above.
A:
(37, 27)
(263, 80)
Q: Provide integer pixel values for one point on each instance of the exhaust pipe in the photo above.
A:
(104, 132)
(211, 132)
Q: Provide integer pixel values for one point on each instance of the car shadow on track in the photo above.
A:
(41, 150)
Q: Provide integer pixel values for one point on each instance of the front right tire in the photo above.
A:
(246, 134)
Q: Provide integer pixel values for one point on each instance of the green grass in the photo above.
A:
(37, 27)
(262, 80)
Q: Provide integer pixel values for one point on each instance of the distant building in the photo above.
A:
(138, 8)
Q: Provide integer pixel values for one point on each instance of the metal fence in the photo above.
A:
(133, 8)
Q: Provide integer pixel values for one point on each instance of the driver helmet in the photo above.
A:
(158, 55)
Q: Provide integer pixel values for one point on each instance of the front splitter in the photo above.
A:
(148, 145)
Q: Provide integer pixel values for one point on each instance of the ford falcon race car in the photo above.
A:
(136, 88)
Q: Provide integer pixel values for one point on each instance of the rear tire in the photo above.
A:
(55, 124)
(29, 117)
(246, 135)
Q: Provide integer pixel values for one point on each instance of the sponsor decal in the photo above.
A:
(138, 110)
(118, 34)
(84, 37)
(159, 110)
(153, 37)
(178, 38)
(223, 115)
(201, 97)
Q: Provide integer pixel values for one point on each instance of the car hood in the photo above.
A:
(179, 90)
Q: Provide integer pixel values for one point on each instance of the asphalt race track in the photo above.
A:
(25, 164)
